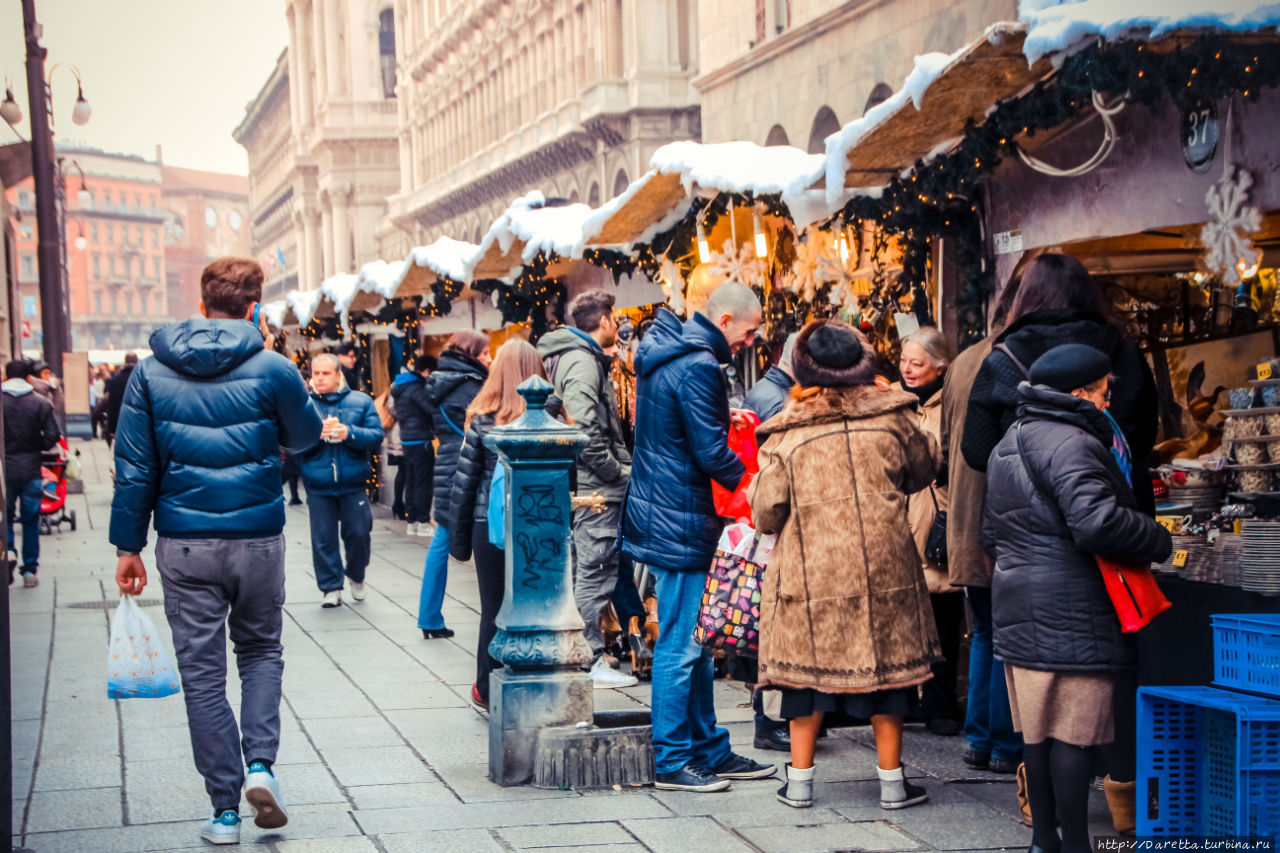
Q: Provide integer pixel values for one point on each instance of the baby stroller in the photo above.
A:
(53, 503)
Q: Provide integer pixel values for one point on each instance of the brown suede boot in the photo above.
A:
(1024, 802)
(1120, 799)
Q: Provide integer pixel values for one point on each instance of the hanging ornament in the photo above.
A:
(673, 285)
(739, 263)
(1229, 251)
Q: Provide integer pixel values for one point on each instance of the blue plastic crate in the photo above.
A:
(1208, 763)
(1246, 652)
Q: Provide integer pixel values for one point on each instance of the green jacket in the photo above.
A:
(580, 371)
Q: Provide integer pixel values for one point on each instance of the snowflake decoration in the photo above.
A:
(1231, 219)
(810, 269)
(673, 283)
(739, 263)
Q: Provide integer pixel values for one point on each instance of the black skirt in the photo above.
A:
(846, 708)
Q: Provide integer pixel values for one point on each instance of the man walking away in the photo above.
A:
(335, 471)
(29, 430)
(116, 386)
(200, 432)
(576, 362)
(346, 353)
(47, 386)
(417, 432)
(670, 522)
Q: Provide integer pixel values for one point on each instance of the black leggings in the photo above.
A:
(938, 694)
(1058, 776)
(490, 572)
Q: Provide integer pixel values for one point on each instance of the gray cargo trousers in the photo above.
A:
(595, 537)
(239, 583)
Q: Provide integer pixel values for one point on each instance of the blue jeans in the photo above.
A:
(434, 574)
(347, 515)
(30, 492)
(684, 713)
(988, 723)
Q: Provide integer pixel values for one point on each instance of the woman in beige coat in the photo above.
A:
(845, 621)
(923, 365)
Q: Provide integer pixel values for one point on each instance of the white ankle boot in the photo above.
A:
(896, 792)
(798, 792)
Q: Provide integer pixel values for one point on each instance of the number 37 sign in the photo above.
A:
(1200, 134)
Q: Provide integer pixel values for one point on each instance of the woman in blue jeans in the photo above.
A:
(463, 368)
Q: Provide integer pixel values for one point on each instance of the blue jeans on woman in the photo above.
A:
(434, 574)
(684, 712)
(988, 723)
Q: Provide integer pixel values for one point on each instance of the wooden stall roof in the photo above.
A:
(495, 263)
(655, 198)
(992, 68)
(367, 301)
(417, 281)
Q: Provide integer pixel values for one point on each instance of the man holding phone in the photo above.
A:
(197, 445)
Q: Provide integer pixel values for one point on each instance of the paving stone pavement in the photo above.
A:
(381, 749)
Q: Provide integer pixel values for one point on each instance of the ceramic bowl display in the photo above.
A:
(1242, 398)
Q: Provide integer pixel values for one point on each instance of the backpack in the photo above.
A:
(498, 507)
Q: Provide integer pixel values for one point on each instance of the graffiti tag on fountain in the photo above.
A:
(538, 513)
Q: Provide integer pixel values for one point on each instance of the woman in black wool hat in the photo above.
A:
(1058, 496)
(845, 619)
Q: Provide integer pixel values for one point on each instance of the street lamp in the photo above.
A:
(9, 109)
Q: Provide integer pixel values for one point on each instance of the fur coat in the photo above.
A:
(844, 607)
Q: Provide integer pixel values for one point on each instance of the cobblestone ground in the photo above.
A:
(381, 749)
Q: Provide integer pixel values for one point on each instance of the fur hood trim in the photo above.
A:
(814, 406)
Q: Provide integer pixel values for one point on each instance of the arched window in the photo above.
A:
(593, 197)
(879, 94)
(387, 51)
(479, 235)
(573, 197)
(777, 136)
(620, 183)
(825, 123)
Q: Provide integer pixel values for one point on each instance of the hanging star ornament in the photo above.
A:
(1228, 249)
(673, 283)
(738, 263)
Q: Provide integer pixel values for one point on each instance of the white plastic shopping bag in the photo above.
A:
(138, 667)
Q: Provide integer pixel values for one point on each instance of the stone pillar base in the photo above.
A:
(573, 757)
(522, 703)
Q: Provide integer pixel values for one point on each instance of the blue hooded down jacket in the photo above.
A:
(682, 434)
(200, 431)
(331, 468)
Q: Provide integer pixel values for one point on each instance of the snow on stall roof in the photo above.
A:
(340, 288)
(275, 312)
(381, 277)
(446, 257)
(550, 230)
(1056, 26)
(304, 304)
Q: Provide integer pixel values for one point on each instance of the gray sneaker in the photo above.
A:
(222, 829)
(30, 581)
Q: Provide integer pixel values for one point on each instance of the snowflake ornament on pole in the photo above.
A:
(739, 263)
(673, 283)
(1228, 250)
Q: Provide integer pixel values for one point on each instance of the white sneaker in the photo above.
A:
(603, 677)
(357, 590)
(426, 528)
(262, 790)
(332, 598)
(411, 528)
(222, 829)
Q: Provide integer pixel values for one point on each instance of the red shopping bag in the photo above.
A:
(1134, 593)
(742, 441)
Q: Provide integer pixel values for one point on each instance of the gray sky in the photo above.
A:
(177, 73)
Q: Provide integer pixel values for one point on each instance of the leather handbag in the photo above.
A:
(935, 547)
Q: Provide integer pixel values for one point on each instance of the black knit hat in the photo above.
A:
(832, 355)
(1070, 366)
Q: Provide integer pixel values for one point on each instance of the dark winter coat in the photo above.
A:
(29, 430)
(582, 375)
(116, 386)
(966, 487)
(413, 409)
(336, 467)
(52, 391)
(450, 389)
(770, 395)
(469, 497)
(993, 401)
(200, 433)
(1051, 508)
(682, 433)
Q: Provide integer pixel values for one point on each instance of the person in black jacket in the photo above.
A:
(1058, 497)
(770, 395)
(495, 405)
(417, 432)
(463, 368)
(346, 353)
(115, 394)
(29, 430)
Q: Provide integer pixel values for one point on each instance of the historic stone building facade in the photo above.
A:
(794, 71)
(208, 219)
(332, 174)
(499, 97)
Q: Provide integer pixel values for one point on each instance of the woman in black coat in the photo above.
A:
(463, 368)
(1058, 497)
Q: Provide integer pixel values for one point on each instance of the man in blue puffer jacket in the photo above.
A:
(198, 444)
(670, 522)
(336, 471)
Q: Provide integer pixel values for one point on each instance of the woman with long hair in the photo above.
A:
(497, 403)
(462, 369)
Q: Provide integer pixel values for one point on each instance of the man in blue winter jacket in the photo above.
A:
(197, 445)
(336, 471)
(670, 523)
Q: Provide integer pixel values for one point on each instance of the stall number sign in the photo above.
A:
(1264, 370)
(1180, 558)
(1200, 134)
(1007, 242)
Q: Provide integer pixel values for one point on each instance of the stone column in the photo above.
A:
(326, 238)
(295, 81)
(320, 61)
(341, 231)
(300, 238)
(333, 50)
(539, 639)
(304, 82)
(315, 253)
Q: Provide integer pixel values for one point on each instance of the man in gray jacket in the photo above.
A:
(577, 364)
